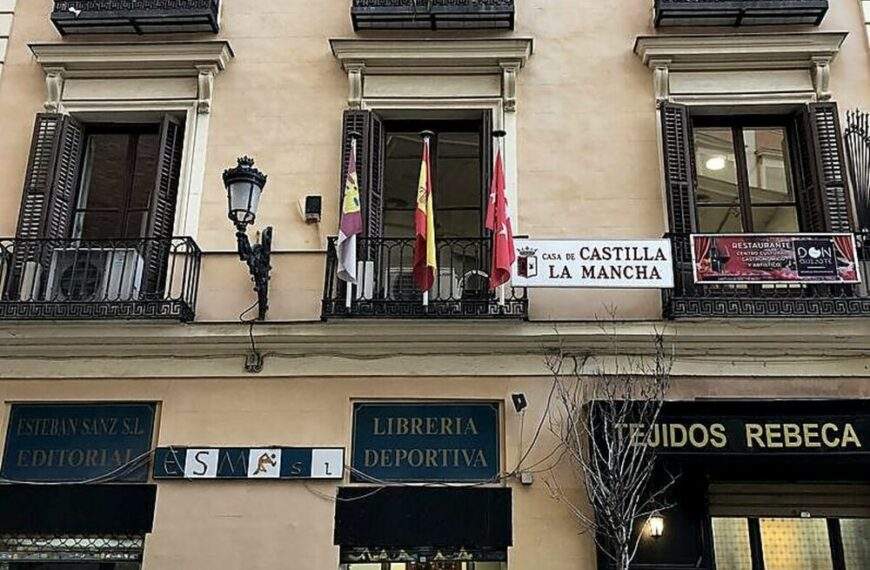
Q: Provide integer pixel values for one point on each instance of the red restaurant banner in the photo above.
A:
(774, 258)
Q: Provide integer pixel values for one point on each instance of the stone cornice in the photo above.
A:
(739, 51)
(115, 60)
(719, 349)
(135, 59)
(773, 337)
(432, 55)
(811, 51)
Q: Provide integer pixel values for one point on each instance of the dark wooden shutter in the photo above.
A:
(487, 154)
(822, 191)
(47, 200)
(369, 164)
(679, 166)
(161, 216)
(53, 172)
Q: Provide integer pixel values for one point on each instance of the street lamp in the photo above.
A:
(244, 185)
(656, 525)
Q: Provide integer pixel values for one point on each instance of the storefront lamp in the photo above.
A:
(656, 525)
(244, 185)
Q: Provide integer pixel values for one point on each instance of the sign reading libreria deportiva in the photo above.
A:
(425, 442)
(78, 442)
(775, 258)
(626, 263)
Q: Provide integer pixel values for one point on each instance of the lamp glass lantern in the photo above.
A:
(656, 525)
(244, 185)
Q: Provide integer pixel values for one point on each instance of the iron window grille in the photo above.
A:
(386, 285)
(143, 278)
(433, 14)
(70, 548)
(135, 16)
(739, 12)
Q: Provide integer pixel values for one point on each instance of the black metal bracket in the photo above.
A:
(258, 259)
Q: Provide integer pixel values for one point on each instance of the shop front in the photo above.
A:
(427, 492)
(763, 485)
(75, 493)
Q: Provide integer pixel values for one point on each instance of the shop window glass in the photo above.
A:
(796, 544)
(731, 543)
(856, 543)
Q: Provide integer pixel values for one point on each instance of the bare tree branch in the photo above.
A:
(604, 409)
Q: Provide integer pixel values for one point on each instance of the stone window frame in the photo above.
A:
(406, 61)
(121, 66)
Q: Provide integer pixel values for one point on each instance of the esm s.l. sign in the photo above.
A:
(605, 263)
(419, 442)
(78, 442)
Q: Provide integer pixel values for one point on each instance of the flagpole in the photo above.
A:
(499, 137)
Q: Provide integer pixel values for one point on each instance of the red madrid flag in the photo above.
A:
(498, 221)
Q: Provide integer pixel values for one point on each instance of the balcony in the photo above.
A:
(739, 12)
(386, 286)
(689, 301)
(432, 14)
(74, 279)
(135, 16)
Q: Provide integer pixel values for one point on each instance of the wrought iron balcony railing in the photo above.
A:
(99, 279)
(689, 300)
(432, 14)
(739, 12)
(135, 16)
(386, 285)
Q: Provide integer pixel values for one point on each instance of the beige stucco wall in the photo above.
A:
(588, 167)
(587, 149)
(201, 524)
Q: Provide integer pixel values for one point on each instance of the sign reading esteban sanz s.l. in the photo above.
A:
(425, 442)
(78, 442)
(807, 434)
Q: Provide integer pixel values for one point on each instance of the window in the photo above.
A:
(776, 543)
(745, 177)
(457, 173)
(117, 184)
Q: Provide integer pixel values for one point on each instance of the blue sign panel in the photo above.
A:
(248, 463)
(425, 442)
(78, 442)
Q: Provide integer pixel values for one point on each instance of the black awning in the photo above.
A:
(77, 509)
(478, 518)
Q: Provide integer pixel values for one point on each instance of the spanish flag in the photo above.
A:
(425, 262)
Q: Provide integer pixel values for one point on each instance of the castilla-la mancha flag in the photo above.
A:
(351, 224)
(498, 221)
(425, 263)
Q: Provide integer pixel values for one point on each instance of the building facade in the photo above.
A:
(142, 403)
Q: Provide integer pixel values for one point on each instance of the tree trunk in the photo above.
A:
(624, 557)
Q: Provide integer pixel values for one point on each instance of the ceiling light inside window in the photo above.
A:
(716, 163)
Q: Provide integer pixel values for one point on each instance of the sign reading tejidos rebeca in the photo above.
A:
(625, 263)
(248, 463)
(425, 442)
(774, 258)
(78, 442)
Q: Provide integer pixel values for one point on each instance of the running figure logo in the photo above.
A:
(264, 462)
